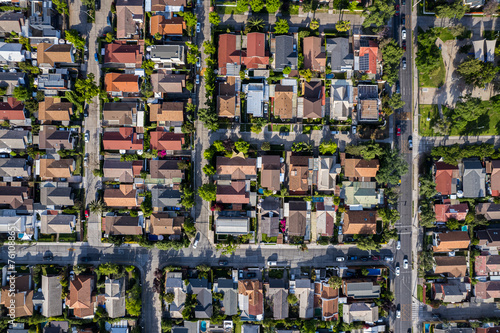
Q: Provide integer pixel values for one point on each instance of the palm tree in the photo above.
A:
(97, 206)
(255, 24)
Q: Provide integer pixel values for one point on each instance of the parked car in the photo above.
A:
(198, 27)
(398, 131)
(403, 34)
(398, 270)
(405, 264)
(398, 314)
(97, 4)
(196, 240)
(398, 246)
(375, 258)
(403, 19)
(340, 230)
(353, 129)
(403, 2)
(403, 45)
(398, 90)
(365, 258)
(404, 63)
(48, 257)
(87, 137)
(397, 10)
(272, 263)
(223, 262)
(251, 275)
(240, 274)
(352, 258)
(96, 57)
(335, 132)
(86, 213)
(198, 62)
(410, 142)
(197, 78)
(389, 258)
(340, 259)
(109, 20)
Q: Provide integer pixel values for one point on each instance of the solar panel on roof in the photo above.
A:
(364, 62)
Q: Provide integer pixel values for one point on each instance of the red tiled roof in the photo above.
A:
(123, 54)
(12, 110)
(227, 52)
(372, 52)
(124, 139)
(256, 50)
(495, 178)
(174, 26)
(234, 193)
(166, 140)
(444, 212)
(444, 176)
(117, 82)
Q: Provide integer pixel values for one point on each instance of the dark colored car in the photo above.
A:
(375, 258)
(397, 10)
(403, 21)
(403, 45)
(85, 259)
(48, 257)
(353, 258)
(365, 258)
(97, 4)
(251, 275)
(223, 262)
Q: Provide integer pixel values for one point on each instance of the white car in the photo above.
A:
(196, 240)
(398, 314)
(198, 62)
(197, 79)
(405, 264)
(87, 137)
(403, 34)
(198, 27)
(272, 263)
(398, 271)
(398, 247)
(340, 230)
(340, 259)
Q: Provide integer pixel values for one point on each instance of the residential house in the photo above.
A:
(270, 216)
(360, 290)
(168, 55)
(368, 103)
(283, 101)
(367, 312)
(451, 266)
(276, 295)
(175, 285)
(236, 168)
(313, 99)
(250, 328)
(167, 113)
(166, 170)
(452, 328)
(234, 226)
(230, 299)
(22, 225)
(42, 23)
(474, 179)
(325, 217)
(121, 85)
(326, 299)
(226, 99)
(10, 81)
(120, 114)
(165, 225)
(56, 197)
(361, 194)
(235, 192)
(298, 173)
(450, 292)
(81, 298)
(122, 139)
(161, 140)
(17, 168)
(366, 55)
(21, 300)
(304, 290)
(360, 169)
(56, 169)
(57, 224)
(229, 53)
(50, 55)
(256, 55)
(53, 110)
(495, 177)
(489, 238)
(286, 52)
(165, 5)
(450, 241)
(272, 172)
(446, 211)
(164, 82)
(51, 292)
(122, 171)
(328, 169)
(251, 299)
(446, 178)
(491, 329)
(486, 265)
(360, 222)
(340, 57)
(51, 137)
(164, 26)
(490, 211)
(256, 95)
(16, 197)
(314, 54)
(114, 293)
(121, 54)
(203, 291)
(129, 18)
(297, 218)
(124, 196)
(11, 22)
(12, 110)
(487, 290)
(122, 225)
(165, 198)
(53, 83)
(341, 103)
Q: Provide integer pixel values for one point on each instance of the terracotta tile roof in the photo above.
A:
(360, 222)
(121, 113)
(283, 101)
(226, 106)
(168, 83)
(159, 5)
(123, 54)
(174, 26)
(23, 301)
(50, 168)
(167, 111)
(495, 177)
(314, 56)
(124, 139)
(453, 240)
(16, 196)
(166, 169)
(125, 196)
(127, 11)
(163, 224)
(117, 82)
(256, 55)
(235, 193)
(372, 53)
(298, 174)
(444, 212)
(487, 290)
(270, 174)
(453, 266)
(486, 264)
(445, 173)
(361, 168)
(253, 290)
(52, 109)
(166, 140)
(12, 110)
(494, 329)
(238, 168)
(122, 225)
(227, 52)
(81, 297)
(54, 53)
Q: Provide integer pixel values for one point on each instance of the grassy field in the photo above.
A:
(428, 111)
(420, 293)
(445, 34)
(435, 79)
(281, 128)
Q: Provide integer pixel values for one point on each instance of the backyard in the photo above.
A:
(433, 79)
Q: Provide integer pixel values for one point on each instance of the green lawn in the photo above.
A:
(420, 293)
(435, 79)
(445, 34)
(281, 128)
(227, 10)
(424, 126)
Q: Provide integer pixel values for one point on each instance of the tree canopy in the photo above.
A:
(428, 53)
(452, 154)
(396, 102)
(21, 93)
(476, 72)
(214, 18)
(343, 26)
(257, 5)
(455, 10)
(207, 192)
(74, 38)
(86, 89)
(327, 147)
(367, 243)
(281, 27)
(392, 167)
(391, 55)
(467, 111)
(367, 150)
(379, 13)
(273, 5)
(209, 119)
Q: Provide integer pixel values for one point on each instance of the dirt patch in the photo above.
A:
(373, 132)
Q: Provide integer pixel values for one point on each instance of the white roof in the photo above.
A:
(232, 225)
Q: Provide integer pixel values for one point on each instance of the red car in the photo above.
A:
(86, 214)
(375, 258)
(397, 10)
(403, 45)
(398, 131)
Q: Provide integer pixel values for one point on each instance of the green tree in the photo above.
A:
(108, 268)
(187, 127)
(209, 170)
(391, 55)
(242, 6)
(273, 5)
(306, 74)
(98, 173)
(455, 10)
(209, 47)
(367, 243)
(343, 25)
(327, 147)
(207, 192)
(335, 282)
(396, 102)
(86, 89)
(214, 18)
(61, 7)
(387, 215)
(467, 111)
(353, 5)
(133, 302)
(426, 263)
(427, 187)
(97, 206)
(257, 5)
(314, 25)
(301, 147)
(187, 198)
(379, 13)
(169, 298)
(190, 19)
(254, 24)
(266, 146)
(109, 37)
(368, 150)
(281, 27)
(287, 70)
(74, 38)
(490, 8)
(242, 146)
(476, 72)
(392, 167)
(292, 299)
(218, 145)
(209, 119)
(453, 224)
(427, 214)
(21, 93)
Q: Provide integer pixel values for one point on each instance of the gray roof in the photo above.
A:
(359, 290)
(474, 177)
(51, 290)
(250, 328)
(11, 21)
(285, 56)
(10, 81)
(200, 287)
(57, 224)
(165, 197)
(115, 297)
(51, 81)
(339, 54)
(454, 330)
(360, 312)
(56, 196)
(230, 300)
(114, 168)
(14, 139)
(270, 225)
(13, 167)
(278, 295)
(167, 51)
(450, 293)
